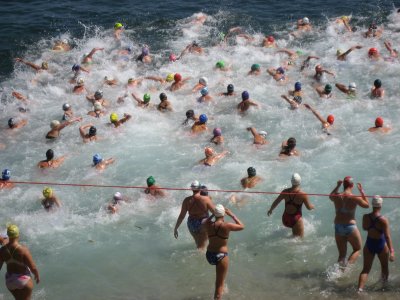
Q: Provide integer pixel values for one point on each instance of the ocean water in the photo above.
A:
(83, 252)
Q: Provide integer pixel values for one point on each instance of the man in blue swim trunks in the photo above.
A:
(198, 207)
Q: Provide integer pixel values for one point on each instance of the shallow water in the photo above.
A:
(82, 252)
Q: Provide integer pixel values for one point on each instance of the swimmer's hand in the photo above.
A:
(269, 212)
(391, 257)
(176, 233)
(339, 183)
(359, 186)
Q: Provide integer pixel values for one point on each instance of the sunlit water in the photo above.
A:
(83, 252)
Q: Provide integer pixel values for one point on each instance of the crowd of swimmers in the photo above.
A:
(207, 221)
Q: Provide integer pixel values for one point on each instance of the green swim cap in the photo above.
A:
(255, 67)
(299, 52)
(328, 88)
(220, 64)
(146, 98)
(151, 181)
(221, 35)
(118, 26)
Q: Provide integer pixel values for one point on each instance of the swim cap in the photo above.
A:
(97, 106)
(271, 39)
(130, 80)
(204, 91)
(339, 52)
(344, 18)
(220, 64)
(245, 95)
(219, 211)
(291, 142)
(217, 131)
(352, 86)
(330, 119)
(163, 96)
(80, 81)
(45, 65)
(306, 20)
(204, 191)
(280, 70)
(129, 49)
(47, 192)
(54, 124)
(177, 77)
(117, 196)
(348, 182)
(263, 133)
(113, 117)
(299, 52)
(66, 106)
(170, 77)
(76, 67)
(118, 26)
(377, 201)
(377, 83)
(92, 131)
(6, 174)
(11, 122)
(297, 86)
(328, 88)
(98, 94)
(373, 51)
(379, 122)
(97, 159)
(203, 81)
(49, 154)
(296, 179)
(172, 57)
(64, 41)
(255, 67)
(108, 78)
(150, 181)
(230, 88)
(195, 185)
(195, 44)
(203, 118)
(251, 172)
(12, 231)
(146, 98)
(298, 99)
(190, 113)
(145, 51)
(208, 151)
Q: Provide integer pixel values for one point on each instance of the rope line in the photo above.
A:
(177, 189)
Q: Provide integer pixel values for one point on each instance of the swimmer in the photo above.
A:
(221, 66)
(251, 180)
(345, 222)
(306, 63)
(340, 55)
(117, 122)
(293, 56)
(200, 19)
(294, 199)
(68, 112)
(373, 31)
(203, 82)
(113, 207)
(118, 29)
(211, 157)
(3, 240)
(205, 96)
(91, 135)
(50, 199)
(88, 58)
(56, 127)
(154, 189)
(288, 148)
(246, 102)
(194, 48)
(377, 90)
(165, 104)
(97, 111)
(373, 54)
(5, 180)
(61, 45)
(269, 42)
(19, 96)
(100, 164)
(324, 91)
(379, 126)
(50, 161)
(98, 97)
(304, 24)
(350, 90)
(20, 264)
(76, 68)
(190, 116)
(198, 207)
(379, 242)
(393, 52)
(134, 82)
(240, 34)
(110, 81)
(217, 138)
(319, 73)
(278, 74)
(255, 70)
(79, 88)
(230, 91)
(173, 58)
(43, 67)
(145, 55)
(178, 82)
(200, 125)
(297, 90)
(294, 103)
(259, 137)
(142, 103)
(217, 249)
(13, 123)
(345, 21)
(325, 123)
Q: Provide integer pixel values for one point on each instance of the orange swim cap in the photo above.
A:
(379, 122)
(208, 151)
(331, 119)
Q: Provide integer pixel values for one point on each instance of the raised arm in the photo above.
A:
(363, 200)
(125, 118)
(253, 131)
(287, 99)
(335, 191)
(67, 123)
(319, 117)
(94, 50)
(82, 129)
(57, 201)
(238, 224)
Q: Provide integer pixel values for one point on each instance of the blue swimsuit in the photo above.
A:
(375, 246)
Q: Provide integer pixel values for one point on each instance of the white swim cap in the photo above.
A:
(195, 185)
(219, 210)
(108, 78)
(54, 124)
(352, 86)
(65, 41)
(296, 179)
(263, 133)
(80, 81)
(306, 20)
(97, 105)
(203, 81)
(377, 201)
(117, 196)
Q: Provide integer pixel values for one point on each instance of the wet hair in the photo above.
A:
(189, 115)
(92, 131)
(49, 154)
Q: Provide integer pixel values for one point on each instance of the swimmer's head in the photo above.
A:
(217, 132)
(11, 122)
(98, 94)
(306, 20)
(348, 182)
(318, 68)
(220, 64)
(177, 77)
(118, 26)
(245, 95)
(128, 48)
(130, 80)
(76, 67)
(204, 91)
(270, 39)
(296, 179)
(299, 52)
(330, 119)
(195, 185)
(117, 196)
(97, 159)
(339, 52)
(45, 65)
(328, 89)
(204, 190)
(230, 88)
(80, 81)
(298, 99)
(377, 201)
(291, 142)
(66, 107)
(170, 77)
(190, 114)
(379, 122)
(12, 231)
(65, 42)
(146, 98)
(54, 124)
(297, 86)
(373, 26)
(163, 97)
(113, 117)
(97, 106)
(377, 83)
(219, 211)
(255, 67)
(208, 151)
(251, 172)
(6, 174)
(203, 118)
(92, 131)
(47, 192)
(172, 57)
(108, 78)
(344, 18)
(280, 70)
(150, 181)
(352, 86)
(49, 154)
(373, 52)
(145, 51)
(263, 133)
(203, 81)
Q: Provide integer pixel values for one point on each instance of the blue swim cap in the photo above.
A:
(76, 67)
(6, 174)
(245, 95)
(281, 70)
(203, 118)
(97, 159)
(297, 86)
(204, 91)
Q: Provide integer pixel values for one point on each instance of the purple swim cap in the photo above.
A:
(245, 95)
(217, 132)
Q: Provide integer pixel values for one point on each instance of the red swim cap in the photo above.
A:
(379, 122)
(348, 182)
(372, 51)
(331, 119)
(271, 39)
(177, 77)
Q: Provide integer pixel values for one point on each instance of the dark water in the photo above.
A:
(24, 23)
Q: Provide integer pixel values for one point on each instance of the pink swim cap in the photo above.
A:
(172, 57)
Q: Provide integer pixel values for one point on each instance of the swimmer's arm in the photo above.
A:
(19, 96)
(28, 63)
(94, 50)
(155, 78)
(22, 123)
(333, 195)
(320, 91)
(388, 237)
(125, 118)
(137, 98)
(238, 224)
(346, 24)
(67, 123)
(82, 129)
(271, 71)
(286, 98)
(31, 264)
(253, 131)
(186, 79)
(287, 51)
(110, 161)
(275, 203)
(319, 117)
(246, 36)
(342, 87)
(363, 200)
(329, 72)
(57, 202)
(254, 103)
(307, 203)
(85, 70)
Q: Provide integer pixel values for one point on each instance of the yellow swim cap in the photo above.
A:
(344, 18)
(47, 192)
(118, 26)
(12, 231)
(113, 117)
(170, 77)
(45, 65)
